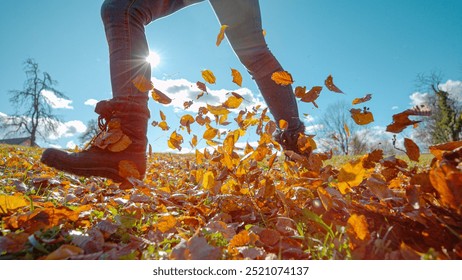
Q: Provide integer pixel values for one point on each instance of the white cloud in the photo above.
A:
(395, 108)
(91, 102)
(454, 88)
(313, 129)
(68, 129)
(182, 90)
(71, 145)
(418, 98)
(55, 101)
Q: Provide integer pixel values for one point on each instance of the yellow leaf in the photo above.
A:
(194, 141)
(208, 180)
(160, 97)
(187, 120)
(208, 76)
(210, 132)
(217, 110)
(120, 145)
(142, 84)
(358, 227)
(11, 202)
(162, 116)
(221, 34)
(237, 77)
(264, 32)
(166, 223)
(233, 102)
(175, 141)
(127, 168)
(350, 175)
(282, 78)
(164, 125)
(199, 157)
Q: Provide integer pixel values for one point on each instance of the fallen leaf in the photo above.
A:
(166, 223)
(128, 168)
(358, 227)
(9, 203)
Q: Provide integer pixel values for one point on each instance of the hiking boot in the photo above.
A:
(294, 140)
(117, 152)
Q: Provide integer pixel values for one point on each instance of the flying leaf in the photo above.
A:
(162, 115)
(361, 117)
(283, 124)
(217, 110)
(439, 150)
(347, 130)
(237, 77)
(187, 104)
(175, 141)
(208, 76)
(160, 97)
(362, 99)
(201, 86)
(221, 34)
(233, 102)
(142, 84)
(311, 95)
(401, 120)
(282, 78)
(186, 121)
(412, 150)
(208, 180)
(210, 132)
(329, 82)
(164, 126)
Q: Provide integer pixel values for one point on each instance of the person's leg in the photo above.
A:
(119, 151)
(245, 34)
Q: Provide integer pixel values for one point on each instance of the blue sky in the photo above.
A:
(368, 46)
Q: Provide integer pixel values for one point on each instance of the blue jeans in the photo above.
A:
(124, 22)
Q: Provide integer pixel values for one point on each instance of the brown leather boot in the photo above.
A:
(117, 152)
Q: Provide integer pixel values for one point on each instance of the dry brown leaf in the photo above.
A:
(329, 82)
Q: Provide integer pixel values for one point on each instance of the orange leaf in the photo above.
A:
(221, 34)
(162, 116)
(347, 129)
(362, 99)
(361, 117)
(128, 168)
(201, 86)
(208, 76)
(164, 126)
(166, 223)
(282, 78)
(329, 82)
(283, 124)
(210, 132)
(187, 104)
(439, 150)
(142, 84)
(358, 227)
(412, 150)
(312, 95)
(240, 239)
(160, 97)
(187, 120)
(237, 77)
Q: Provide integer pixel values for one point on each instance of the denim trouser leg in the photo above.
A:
(245, 35)
(124, 22)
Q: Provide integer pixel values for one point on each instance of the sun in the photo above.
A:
(153, 59)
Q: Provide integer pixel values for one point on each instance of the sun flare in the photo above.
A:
(153, 59)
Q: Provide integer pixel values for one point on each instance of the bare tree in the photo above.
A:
(32, 107)
(92, 131)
